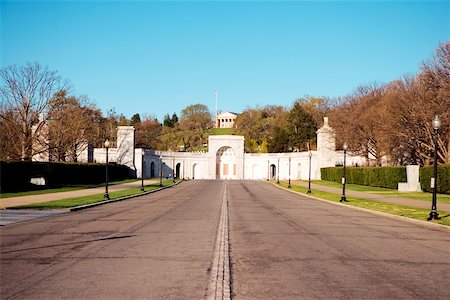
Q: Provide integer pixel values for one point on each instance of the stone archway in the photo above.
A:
(195, 171)
(177, 170)
(273, 171)
(226, 164)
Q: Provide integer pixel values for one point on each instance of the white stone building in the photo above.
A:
(225, 159)
(226, 120)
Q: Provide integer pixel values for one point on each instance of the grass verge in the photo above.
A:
(394, 209)
(423, 196)
(78, 201)
(63, 189)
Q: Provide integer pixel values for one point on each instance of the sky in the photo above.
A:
(157, 57)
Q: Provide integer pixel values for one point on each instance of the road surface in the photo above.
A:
(281, 245)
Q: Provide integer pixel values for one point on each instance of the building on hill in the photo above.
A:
(226, 120)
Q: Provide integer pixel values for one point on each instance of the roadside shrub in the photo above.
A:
(387, 177)
(443, 178)
(15, 175)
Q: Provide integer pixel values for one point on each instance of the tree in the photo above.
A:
(316, 107)
(170, 121)
(9, 148)
(194, 121)
(148, 133)
(25, 95)
(280, 141)
(258, 124)
(73, 124)
(135, 119)
(301, 128)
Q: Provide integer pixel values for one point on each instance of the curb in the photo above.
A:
(81, 207)
(375, 212)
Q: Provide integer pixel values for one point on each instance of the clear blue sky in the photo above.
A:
(158, 57)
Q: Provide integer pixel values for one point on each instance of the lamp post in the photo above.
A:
(309, 179)
(160, 171)
(434, 214)
(173, 169)
(289, 185)
(278, 171)
(106, 195)
(142, 170)
(268, 170)
(343, 198)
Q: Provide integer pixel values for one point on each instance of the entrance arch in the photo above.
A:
(195, 171)
(226, 164)
(177, 170)
(273, 171)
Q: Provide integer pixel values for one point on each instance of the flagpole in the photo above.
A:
(216, 92)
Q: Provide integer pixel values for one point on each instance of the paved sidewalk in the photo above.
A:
(377, 197)
(24, 200)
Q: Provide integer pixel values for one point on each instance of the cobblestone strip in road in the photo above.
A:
(220, 280)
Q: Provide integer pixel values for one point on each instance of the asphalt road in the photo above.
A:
(282, 246)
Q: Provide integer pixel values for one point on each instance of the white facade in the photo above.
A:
(226, 159)
(226, 120)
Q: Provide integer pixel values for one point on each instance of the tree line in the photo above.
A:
(391, 120)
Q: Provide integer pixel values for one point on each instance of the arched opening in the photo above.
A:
(177, 170)
(299, 171)
(152, 170)
(195, 170)
(226, 166)
(273, 171)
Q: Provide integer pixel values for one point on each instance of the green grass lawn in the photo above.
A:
(385, 192)
(73, 202)
(395, 209)
(220, 131)
(63, 189)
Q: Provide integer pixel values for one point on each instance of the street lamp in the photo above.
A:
(309, 180)
(433, 214)
(343, 198)
(289, 185)
(173, 169)
(142, 170)
(268, 170)
(278, 171)
(160, 171)
(106, 195)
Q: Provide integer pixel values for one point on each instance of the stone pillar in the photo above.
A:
(125, 146)
(413, 184)
(326, 147)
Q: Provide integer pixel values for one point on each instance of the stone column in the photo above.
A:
(326, 147)
(125, 146)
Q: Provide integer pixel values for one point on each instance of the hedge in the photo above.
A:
(387, 177)
(15, 175)
(443, 178)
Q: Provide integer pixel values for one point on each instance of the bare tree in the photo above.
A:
(25, 95)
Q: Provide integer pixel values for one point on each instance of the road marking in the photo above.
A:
(219, 282)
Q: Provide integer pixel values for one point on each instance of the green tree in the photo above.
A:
(195, 120)
(135, 119)
(170, 121)
(301, 128)
(280, 141)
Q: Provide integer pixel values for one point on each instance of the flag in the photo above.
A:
(216, 92)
